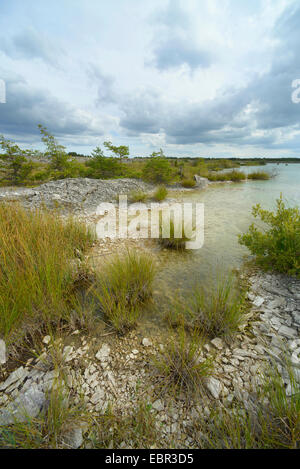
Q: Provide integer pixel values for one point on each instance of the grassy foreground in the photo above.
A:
(36, 275)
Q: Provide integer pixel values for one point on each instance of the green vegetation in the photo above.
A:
(137, 429)
(273, 421)
(158, 169)
(123, 286)
(259, 176)
(188, 183)
(160, 194)
(175, 239)
(101, 167)
(36, 275)
(47, 431)
(120, 152)
(217, 313)
(277, 246)
(16, 166)
(138, 196)
(180, 366)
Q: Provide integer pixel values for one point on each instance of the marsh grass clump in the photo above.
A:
(176, 239)
(180, 365)
(236, 176)
(160, 194)
(36, 272)
(138, 196)
(259, 176)
(123, 286)
(217, 312)
(277, 247)
(272, 421)
(188, 183)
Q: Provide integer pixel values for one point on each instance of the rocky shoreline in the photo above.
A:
(119, 372)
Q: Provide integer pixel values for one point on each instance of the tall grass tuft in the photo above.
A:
(217, 312)
(138, 196)
(188, 183)
(36, 273)
(180, 366)
(160, 194)
(123, 286)
(173, 242)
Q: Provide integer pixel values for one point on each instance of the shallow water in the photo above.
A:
(227, 214)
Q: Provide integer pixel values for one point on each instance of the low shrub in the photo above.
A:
(277, 246)
(259, 176)
(188, 183)
(160, 194)
(138, 196)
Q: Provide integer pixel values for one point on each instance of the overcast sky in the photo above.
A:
(194, 77)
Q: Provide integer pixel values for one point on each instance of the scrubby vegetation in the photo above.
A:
(160, 194)
(276, 245)
(158, 169)
(36, 275)
(259, 176)
(188, 183)
(138, 196)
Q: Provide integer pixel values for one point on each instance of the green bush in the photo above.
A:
(102, 167)
(188, 183)
(16, 167)
(259, 176)
(138, 196)
(158, 169)
(277, 246)
(160, 194)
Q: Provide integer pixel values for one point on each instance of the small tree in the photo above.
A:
(102, 167)
(57, 153)
(17, 167)
(158, 169)
(120, 152)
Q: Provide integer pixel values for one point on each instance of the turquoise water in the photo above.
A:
(227, 214)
